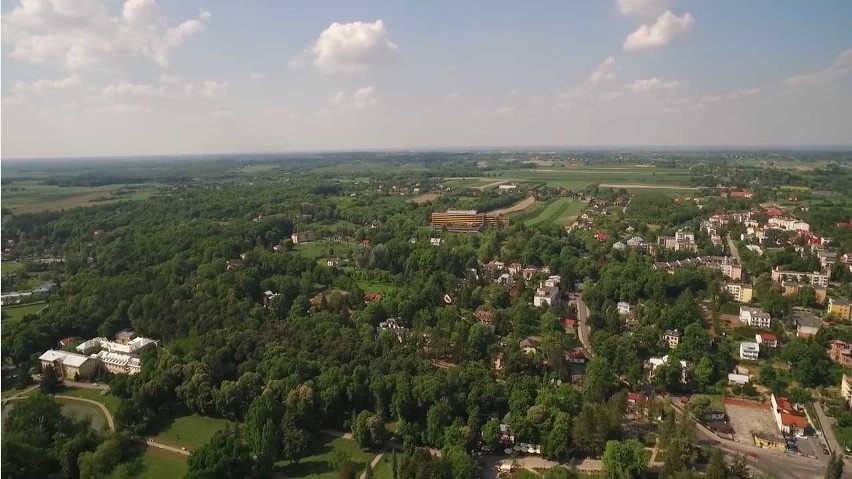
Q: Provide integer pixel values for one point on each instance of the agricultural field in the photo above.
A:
(11, 267)
(560, 211)
(320, 464)
(17, 313)
(517, 207)
(579, 177)
(190, 431)
(34, 196)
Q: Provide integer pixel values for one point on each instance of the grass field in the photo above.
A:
(11, 267)
(320, 464)
(383, 469)
(160, 464)
(381, 288)
(560, 211)
(111, 402)
(320, 249)
(34, 196)
(191, 431)
(16, 313)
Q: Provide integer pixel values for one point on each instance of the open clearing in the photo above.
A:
(493, 184)
(748, 417)
(192, 431)
(34, 196)
(560, 211)
(425, 198)
(111, 402)
(519, 206)
(320, 464)
(17, 313)
(159, 464)
(661, 187)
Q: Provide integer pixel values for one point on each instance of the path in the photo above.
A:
(150, 442)
(373, 464)
(649, 187)
(827, 430)
(583, 329)
(103, 408)
(734, 251)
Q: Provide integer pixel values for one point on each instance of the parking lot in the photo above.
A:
(812, 446)
(747, 418)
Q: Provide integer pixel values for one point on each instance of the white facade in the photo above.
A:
(749, 351)
(623, 307)
(755, 317)
(546, 296)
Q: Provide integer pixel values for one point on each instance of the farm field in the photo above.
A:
(560, 211)
(11, 267)
(16, 313)
(425, 198)
(34, 196)
(319, 465)
(190, 431)
(519, 206)
(575, 178)
(320, 249)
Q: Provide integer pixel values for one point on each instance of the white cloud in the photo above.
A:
(650, 86)
(208, 89)
(663, 31)
(169, 79)
(356, 46)
(604, 72)
(44, 85)
(128, 89)
(841, 67)
(642, 8)
(257, 76)
(360, 99)
(744, 93)
(79, 34)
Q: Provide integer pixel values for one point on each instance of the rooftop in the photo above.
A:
(67, 359)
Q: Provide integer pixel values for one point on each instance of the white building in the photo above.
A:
(435, 241)
(623, 307)
(735, 378)
(749, 351)
(672, 338)
(546, 295)
(755, 317)
(789, 224)
(657, 362)
(553, 281)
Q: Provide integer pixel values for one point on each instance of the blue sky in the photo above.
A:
(100, 77)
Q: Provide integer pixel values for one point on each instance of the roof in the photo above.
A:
(768, 337)
(839, 301)
(67, 359)
(805, 318)
(794, 420)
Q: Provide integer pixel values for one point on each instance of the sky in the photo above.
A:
(141, 77)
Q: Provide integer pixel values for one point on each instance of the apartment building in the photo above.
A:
(755, 317)
(839, 309)
(742, 293)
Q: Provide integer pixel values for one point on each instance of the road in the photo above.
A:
(827, 431)
(769, 462)
(734, 251)
(583, 328)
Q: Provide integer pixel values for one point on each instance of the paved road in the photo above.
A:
(77, 384)
(764, 460)
(583, 329)
(827, 431)
(734, 251)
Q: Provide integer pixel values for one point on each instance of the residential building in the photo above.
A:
(120, 363)
(735, 378)
(767, 339)
(840, 352)
(623, 307)
(302, 237)
(435, 241)
(392, 325)
(636, 242)
(792, 288)
(546, 295)
(742, 293)
(788, 419)
(515, 268)
(788, 224)
(530, 344)
(655, 363)
(846, 389)
(827, 258)
(728, 266)
(755, 317)
(815, 278)
(602, 236)
(672, 338)
(463, 220)
(749, 351)
(839, 309)
(553, 281)
(681, 241)
(807, 324)
(619, 246)
(69, 365)
(134, 346)
(767, 441)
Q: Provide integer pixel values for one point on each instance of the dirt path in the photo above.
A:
(649, 187)
(425, 197)
(493, 184)
(519, 206)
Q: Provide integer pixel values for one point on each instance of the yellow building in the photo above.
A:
(839, 309)
(69, 365)
(846, 389)
(462, 220)
(769, 442)
(742, 293)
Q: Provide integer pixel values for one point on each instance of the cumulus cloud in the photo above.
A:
(208, 89)
(663, 31)
(841, 67)
(87, 33)
(356, 46)
(642, 8)
(128, 89)
(604, 72)
(650, 86)
(45, 85)
(360, 99)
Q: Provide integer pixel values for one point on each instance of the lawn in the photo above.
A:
(17, 313)
(384, 469)
(322, 248)
(11, 267)
(111, 402)
(160, 464)
(32, 196)
(190, 431)
(560, 211)
(372, 287)
(320, 464)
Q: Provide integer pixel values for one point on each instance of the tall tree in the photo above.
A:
(624, 459)
(50, 382)
(834, 470)
(225, 455)
(716, 469)
(295, 442)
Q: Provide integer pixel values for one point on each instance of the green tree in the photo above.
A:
(834, 469)
(491, 433)
(295, 441)
(716, 469)
(225, 455)
(368, 430)
(560, 472)
(557, 443)
(50, 381)
(462, 465)
(624, 459)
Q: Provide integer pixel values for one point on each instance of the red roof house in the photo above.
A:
(602, 236)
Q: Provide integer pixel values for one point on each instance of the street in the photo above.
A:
(734, 251)
(583, 328)
(827, 431)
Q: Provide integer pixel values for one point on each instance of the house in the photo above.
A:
(846, 389)
(602, 236)
(515, 268)
(807, 324)
(767, 441)
(278, 248)
(619, 246)
(840, 352)
(788, 419)
(769, 339)
(655, 363)
(839, 309)
(735, 378)
(268, 296)
(392, 325)
(623, 308)
(741, 293)
(553, 281)
(69, 365)
(636, 242)
(755, 317)
(576, 356)
(530, 344)
(749, 351)
(505, 279)
(435, 241)
(484, 317)
(69, 341)
(546, 295)
(302, 237)
(370, 297)
(529, 272)
(672, 338)
(569, 323)
(335, 262)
